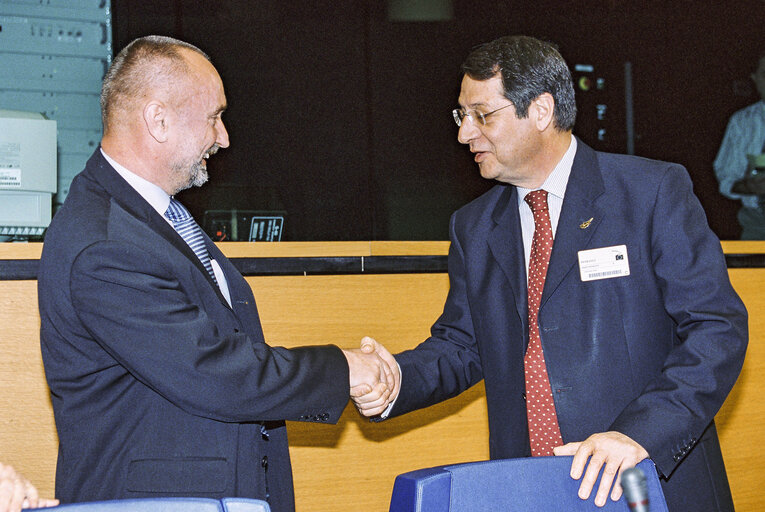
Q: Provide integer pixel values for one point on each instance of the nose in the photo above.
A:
(468, 130)
(221, 134)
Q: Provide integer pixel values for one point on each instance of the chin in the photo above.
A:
(487, 173)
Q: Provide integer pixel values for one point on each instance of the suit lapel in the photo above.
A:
(132, 202)
(579, 217)
(506, 245)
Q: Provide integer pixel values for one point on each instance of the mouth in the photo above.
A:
(479, 155)
(208, 153)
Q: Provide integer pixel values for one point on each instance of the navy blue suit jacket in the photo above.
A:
(652, 354)
(159, 388)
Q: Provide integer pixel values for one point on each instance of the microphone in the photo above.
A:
(635, 489)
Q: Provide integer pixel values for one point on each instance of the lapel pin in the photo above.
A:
(585, 224)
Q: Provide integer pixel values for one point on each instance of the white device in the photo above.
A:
(27, 173)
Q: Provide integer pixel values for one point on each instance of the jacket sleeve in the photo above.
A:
(447, 363)
(674, 409)
(153, 321)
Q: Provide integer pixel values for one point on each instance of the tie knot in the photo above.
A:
(176, 212)
(537, 200)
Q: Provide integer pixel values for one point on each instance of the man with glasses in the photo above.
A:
(586, 290)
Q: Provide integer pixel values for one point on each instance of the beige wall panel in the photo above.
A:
(351, 466)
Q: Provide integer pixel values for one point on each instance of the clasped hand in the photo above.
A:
(375, 378)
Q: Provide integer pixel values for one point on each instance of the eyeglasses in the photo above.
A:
(460, 114)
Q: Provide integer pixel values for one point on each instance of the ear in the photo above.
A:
(156, 119)
(542, 111)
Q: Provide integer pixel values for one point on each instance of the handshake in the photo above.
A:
(375, 378)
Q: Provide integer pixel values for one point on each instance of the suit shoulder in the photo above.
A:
(638, 170)
(485, 204)
(81, 220)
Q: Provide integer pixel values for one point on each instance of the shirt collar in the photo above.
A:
(556, 182)
(153, 194)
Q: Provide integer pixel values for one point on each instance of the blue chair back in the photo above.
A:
(536, 484)
(168, 505)
(144, 505)
(244, 505)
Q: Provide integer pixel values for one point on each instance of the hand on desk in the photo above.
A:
(372, 400)
(16, 492)
(617, 451)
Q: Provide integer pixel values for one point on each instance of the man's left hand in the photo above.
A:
(612, 449)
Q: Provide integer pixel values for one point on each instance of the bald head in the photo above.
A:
(162, 102)
(147, 66)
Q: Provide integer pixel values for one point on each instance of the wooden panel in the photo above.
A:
(293, 249)
(351, 466)
(742, 418)
(20, 251)
(743, 247)
(28, 438)
(410, 248)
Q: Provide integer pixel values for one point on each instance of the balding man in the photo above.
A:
(160, 379)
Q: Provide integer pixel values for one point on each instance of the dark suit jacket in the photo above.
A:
(652, 354)
(159, 388)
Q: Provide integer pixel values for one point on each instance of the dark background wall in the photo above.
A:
(342, 117)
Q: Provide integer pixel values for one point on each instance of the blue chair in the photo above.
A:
(168, 505)
(244, 505)
(530, 484)
(145, 505)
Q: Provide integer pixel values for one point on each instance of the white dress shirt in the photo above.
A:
(555, 185)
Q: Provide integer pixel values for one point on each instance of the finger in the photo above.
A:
(360, 390)
(371, 407)
(368, 345)
(390, 380)
(580, 459)
(5, 497)
(31, 494)
(17, 499)
(377, 405)
(566, 449)
(374, 411)
(379, 392)
(609, 472)
(617, 492)
(590, 476)
(6, 489)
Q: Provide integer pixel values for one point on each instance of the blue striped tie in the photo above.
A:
(190, 231)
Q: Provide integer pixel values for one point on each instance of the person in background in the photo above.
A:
(17, 493)
(587, 291)
(740, 162)
(161, 381)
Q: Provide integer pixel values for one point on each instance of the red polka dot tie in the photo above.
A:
(544, 432)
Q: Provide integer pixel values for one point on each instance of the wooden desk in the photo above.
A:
(351, 466)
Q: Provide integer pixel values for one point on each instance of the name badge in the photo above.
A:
(604, 263)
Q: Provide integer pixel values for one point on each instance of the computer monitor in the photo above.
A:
(27, 173)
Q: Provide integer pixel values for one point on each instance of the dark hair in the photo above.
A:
(146, 63)
(529, 67)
